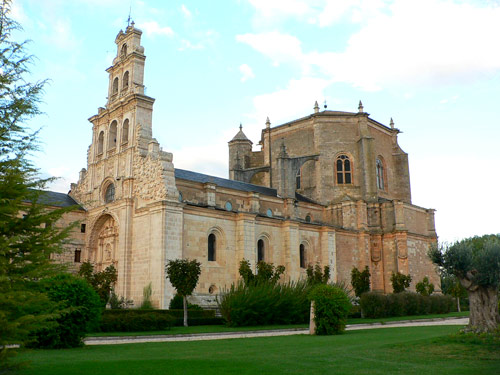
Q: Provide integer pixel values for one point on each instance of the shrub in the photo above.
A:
(360, 281)
(197, 317)
(80, 311)
(377, 305)
(400, 282)
(102, 282)
(316, 275)
(331, 306)
(146, 304)
(136, 320)
(176, 303)
(266, 273)
(424, 287)
(265, 303)
(374, 305)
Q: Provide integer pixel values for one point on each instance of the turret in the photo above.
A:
(240, 151)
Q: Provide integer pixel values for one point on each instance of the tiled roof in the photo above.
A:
(183, 174)
(53, 198)
(240, 136)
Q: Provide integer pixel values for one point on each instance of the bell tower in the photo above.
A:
(123, 128)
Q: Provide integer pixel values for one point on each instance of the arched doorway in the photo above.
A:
(104, 243)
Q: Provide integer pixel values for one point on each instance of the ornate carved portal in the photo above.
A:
(104, 243)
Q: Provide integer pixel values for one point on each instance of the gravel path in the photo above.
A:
(112, 340)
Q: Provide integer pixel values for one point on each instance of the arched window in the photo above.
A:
(115, 86)
(302, 255)
(112, 135)
(125, 131)
(260, 250)
(125, 80)
(124, 50)
(297, 179)
(212, 247)
(344, 169)
(100, 143)
(308, 218)
(109, 196)
(380, 175)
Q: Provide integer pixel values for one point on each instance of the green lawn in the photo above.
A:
(212, 329)
(412, 350)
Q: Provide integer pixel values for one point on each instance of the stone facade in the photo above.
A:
(331, 188)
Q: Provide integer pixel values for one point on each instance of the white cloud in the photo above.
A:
(186, 44)
(153, 28)
(430, 42)
(279, 8)
(291, 102)
(277, 46)
(247, 72)
(187, 13)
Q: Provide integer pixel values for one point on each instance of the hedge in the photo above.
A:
(128, 320)
(331, 306)
(378, 305)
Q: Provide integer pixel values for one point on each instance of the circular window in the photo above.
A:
(109, 196)
(269, 213)
(229, 206)
(212, 289)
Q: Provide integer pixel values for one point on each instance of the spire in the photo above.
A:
(392, 123)
(324, 105)
(360, 107)
(240, 136)
(268, 123)
(316, 107)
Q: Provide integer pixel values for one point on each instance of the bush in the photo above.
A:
(80, 311)
(424, 287)
(400, 282)
(136, 320)
(360, 281)
(198, 317)
(374, 305)
(331, 306)
(265, 303)
(377, 305)
(177, 303)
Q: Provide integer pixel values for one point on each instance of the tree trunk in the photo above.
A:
(483, 309)
(184, 302)
(458, 304)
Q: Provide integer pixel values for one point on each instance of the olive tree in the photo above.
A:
(476, 264)
(184, 275)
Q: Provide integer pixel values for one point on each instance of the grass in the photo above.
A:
(412, 350)
(217, 329)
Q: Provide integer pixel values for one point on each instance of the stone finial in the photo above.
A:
(241, 126)
(392, 123)
(324, 105)
(268, 123)
(360, 107)
(316, 107)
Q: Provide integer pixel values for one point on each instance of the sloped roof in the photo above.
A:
(53, 198)
(183, 174)
(240, 136)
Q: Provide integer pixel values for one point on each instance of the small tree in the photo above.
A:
(316, 275)
(424, 287)
(266, 273)
(451, 285)
(184, 275)
(476, 264)
(102, 281)
(360, 281)
(400, 282)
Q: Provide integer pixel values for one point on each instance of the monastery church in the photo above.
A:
(331, 188)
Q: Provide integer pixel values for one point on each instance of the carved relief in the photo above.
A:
(104, 242)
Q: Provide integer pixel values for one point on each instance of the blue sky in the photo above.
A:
(432, 65)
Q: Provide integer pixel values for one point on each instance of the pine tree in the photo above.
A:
(28, 231)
